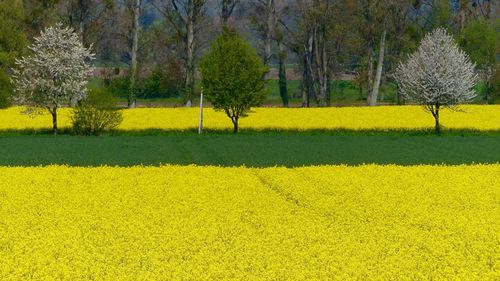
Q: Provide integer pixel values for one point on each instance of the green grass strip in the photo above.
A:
(253, 150)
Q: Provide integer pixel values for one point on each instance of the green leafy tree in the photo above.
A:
(40, 14)
(233, 76)
(12, 43)
(441, 13)
(479, 40)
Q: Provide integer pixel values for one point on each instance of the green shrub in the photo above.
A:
(156, 85)
(101, 98)
(151, 87)
(96, 114)
(4, 100)
(119, 87)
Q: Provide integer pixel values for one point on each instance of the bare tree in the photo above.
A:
(378, 22)
(270, 16)
(227, 9)
(317, 41)
(399, 22)
(264, 20)
(299, 39)
(124, 37)
(372, 97)
(437, 75)
(315, 34)
(186, 17)
(372, 27)
(88, 17)
(136, 11)
(321, 16)
(267, 18)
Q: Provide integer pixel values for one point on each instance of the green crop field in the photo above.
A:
(251, 149)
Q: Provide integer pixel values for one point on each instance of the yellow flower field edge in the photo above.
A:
(209, 223)
(471, 117)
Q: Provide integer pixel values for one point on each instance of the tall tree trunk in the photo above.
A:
(133, 63)
(53, 112)
(307, 74)
(81, 27)
(190, 45)
(488, 73)
(235, 124)
(321, 64)
(305, 83)
(369, 74)
(383, 81)
(380, 63)
(227, 10)
(309, 62)
(435, 113)
(269, 30)
(82, 33)
(330, 90)
(282, 75)
(323, 78)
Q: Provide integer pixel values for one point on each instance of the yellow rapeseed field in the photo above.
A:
(209, 223)
(477, 117)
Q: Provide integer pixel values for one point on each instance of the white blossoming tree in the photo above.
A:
(438, 75)
(55, 74)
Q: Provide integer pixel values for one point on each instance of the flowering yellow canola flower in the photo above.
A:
(477, 117)
(211, 223)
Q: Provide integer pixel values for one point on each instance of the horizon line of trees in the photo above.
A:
(162, 41)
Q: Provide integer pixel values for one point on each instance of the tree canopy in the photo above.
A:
(233, 76)
(438, 74)
(55, 73)
(12, 43)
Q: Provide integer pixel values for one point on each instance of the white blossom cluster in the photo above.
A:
(57, 71)
(438, 73)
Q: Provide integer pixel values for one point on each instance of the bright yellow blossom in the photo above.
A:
(476, 117)
(209, 223)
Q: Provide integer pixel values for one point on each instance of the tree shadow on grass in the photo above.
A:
(269, 131)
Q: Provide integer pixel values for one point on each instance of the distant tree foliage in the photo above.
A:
(479, 39)
(12, 44)
(186, 17)
(158, 43)
(437, 75)
(41, 13)
(56, 72)
(233, 76)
